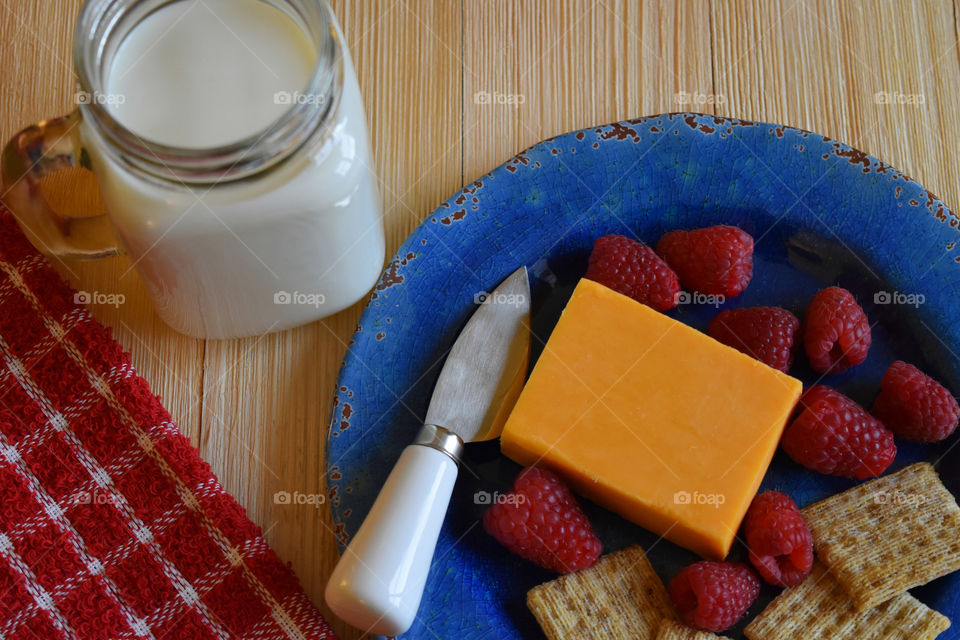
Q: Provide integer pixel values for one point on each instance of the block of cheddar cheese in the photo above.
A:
(651, 418)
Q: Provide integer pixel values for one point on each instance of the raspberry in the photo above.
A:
(837, 334)
(915, 406)
(766, 333)
(713, 595)
(833, 434)
(714, 261)
(633, 269)
(780, 543)
(542, 522)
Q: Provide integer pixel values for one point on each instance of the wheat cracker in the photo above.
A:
(620, 597)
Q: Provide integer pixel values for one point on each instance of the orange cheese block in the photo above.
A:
(651, 418)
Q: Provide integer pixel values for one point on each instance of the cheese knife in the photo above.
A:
(378, 583)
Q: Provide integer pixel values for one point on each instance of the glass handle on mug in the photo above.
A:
(39, 151)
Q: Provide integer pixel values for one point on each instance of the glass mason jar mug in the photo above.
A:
(229, 142)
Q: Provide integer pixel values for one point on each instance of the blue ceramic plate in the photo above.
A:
(821, 213)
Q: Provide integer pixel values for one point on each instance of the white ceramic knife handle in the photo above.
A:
(378, 583)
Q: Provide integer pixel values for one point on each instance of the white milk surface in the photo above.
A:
(202, 74)
(282, 249)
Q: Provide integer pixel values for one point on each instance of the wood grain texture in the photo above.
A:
(258, 407)
(532, 71)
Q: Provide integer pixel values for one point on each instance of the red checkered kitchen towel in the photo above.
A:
(111, 526)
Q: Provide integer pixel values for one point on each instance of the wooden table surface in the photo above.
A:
(882, 75)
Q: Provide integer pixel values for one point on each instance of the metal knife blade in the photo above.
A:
(485, 367)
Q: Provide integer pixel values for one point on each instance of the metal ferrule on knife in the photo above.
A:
(441, 439)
